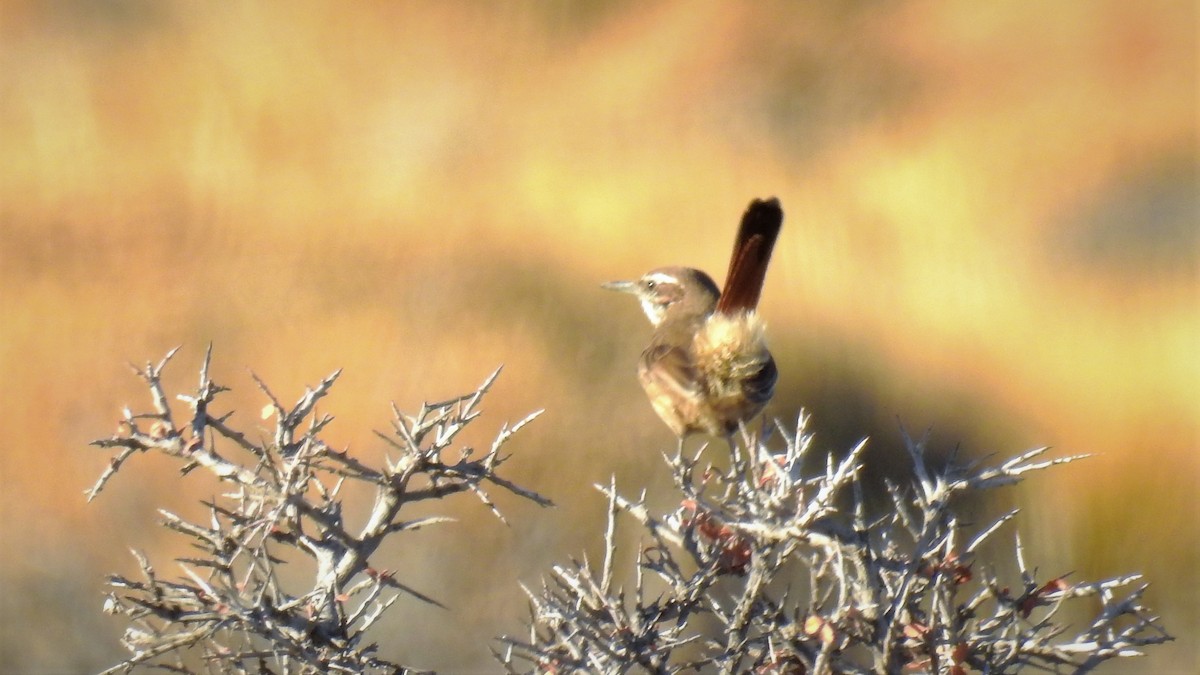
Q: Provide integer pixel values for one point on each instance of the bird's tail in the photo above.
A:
(751, 253)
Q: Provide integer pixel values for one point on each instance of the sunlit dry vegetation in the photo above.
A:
(991, 228)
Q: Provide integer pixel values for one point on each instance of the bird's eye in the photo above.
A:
(650, 284)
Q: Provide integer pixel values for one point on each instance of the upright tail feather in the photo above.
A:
(751, 253)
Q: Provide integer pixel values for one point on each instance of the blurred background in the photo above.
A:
(992, 233)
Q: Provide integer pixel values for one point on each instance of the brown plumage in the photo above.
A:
(707, 368)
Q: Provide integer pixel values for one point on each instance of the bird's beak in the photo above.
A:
(622, 286)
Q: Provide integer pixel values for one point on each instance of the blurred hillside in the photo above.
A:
(992, 229)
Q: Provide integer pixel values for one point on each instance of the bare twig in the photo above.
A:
(229, 606)
(896, 594)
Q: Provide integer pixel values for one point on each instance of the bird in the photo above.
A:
(707, 368)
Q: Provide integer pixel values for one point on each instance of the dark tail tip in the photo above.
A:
(751, 252)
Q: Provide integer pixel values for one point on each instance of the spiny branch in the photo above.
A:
(900, 592)
(229, 603)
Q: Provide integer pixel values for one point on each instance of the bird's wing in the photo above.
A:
(673, 385)
(669, 370)
(759, 386)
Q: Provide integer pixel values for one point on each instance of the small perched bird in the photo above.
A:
(707, 368)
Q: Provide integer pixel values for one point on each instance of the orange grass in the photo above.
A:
(419, 193)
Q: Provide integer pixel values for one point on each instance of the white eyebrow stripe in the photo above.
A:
(662, 277)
